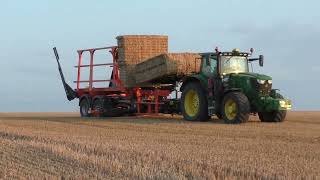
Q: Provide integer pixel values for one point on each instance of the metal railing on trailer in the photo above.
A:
(114, 80)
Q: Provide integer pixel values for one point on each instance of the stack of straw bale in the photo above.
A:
(134, 49)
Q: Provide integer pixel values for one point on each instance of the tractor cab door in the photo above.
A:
(209, 69)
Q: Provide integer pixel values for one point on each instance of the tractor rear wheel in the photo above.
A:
(84, 108)
(194, 104)
(235, 108)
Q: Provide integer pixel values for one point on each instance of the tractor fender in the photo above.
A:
(86, 96)
(189, 79)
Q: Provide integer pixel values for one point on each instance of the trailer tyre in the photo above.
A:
(97, 107)
(84, 108)
(235, 108)
(194, 105)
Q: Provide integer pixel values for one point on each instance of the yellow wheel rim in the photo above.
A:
(230, 109)
(192, 103)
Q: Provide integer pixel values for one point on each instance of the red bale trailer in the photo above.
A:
(115, 99)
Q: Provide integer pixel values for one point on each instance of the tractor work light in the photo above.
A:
(234, 54)
(226, 54)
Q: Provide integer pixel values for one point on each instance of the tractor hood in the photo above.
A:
(253, 76)
(250, 83)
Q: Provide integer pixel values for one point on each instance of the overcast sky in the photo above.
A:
(287, 32)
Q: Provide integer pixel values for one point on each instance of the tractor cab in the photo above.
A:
(224, 63)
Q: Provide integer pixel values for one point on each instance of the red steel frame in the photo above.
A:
(115, 69)
(153, 99)
(141, 94)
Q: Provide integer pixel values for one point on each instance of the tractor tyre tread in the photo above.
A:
(203, 112)
(243, 106)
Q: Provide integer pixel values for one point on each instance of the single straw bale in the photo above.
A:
(133, 49)
(126, 73)
(168, 64)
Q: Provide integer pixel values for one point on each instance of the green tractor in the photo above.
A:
(226, 88)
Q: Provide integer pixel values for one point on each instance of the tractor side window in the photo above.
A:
(213, 65)
(210, 67)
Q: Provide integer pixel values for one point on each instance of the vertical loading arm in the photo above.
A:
(71, 94)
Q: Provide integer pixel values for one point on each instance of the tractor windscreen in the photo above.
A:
(234, 64)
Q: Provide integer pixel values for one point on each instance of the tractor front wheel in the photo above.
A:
(235, 108)
(274, 116)
(194, 104)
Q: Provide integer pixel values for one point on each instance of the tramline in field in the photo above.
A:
(219, 83)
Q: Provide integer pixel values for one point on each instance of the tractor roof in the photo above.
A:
(226, 54)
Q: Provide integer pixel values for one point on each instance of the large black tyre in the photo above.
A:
(194, 103)
(274, 116)
(235, 108)
(84, 107)
(108, 108)
(97, 107)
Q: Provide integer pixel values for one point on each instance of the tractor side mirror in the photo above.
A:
(261, 60)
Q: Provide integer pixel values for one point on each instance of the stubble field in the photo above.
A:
(62, 145)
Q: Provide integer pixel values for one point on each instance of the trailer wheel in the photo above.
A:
(194, 104)
(97, 107)
(116, 111)
(84, 107)
(235, 108)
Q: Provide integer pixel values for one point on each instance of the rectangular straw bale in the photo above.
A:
(134, 49)
(168, 64)
(126, 72)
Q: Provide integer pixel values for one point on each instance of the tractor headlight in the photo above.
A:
(282, 103)
(261, 81)
(270, 81)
